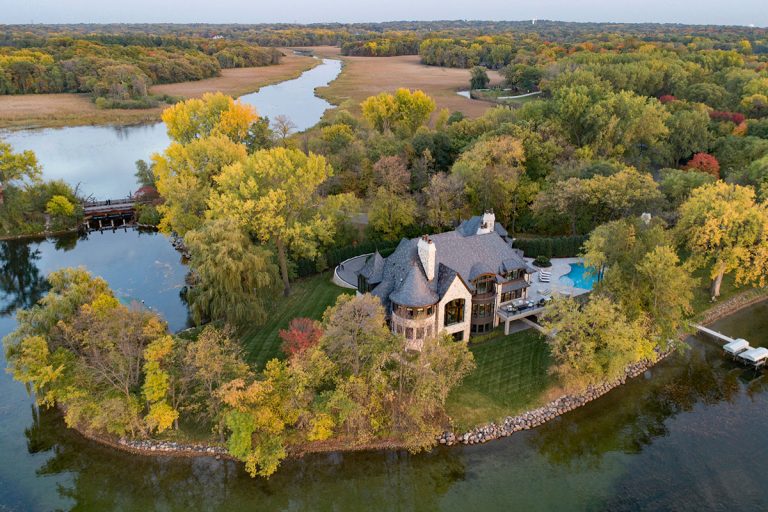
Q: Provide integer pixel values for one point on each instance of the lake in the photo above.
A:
(101, 159)
(689, 435)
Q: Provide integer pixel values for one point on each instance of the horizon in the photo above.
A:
(746, 13)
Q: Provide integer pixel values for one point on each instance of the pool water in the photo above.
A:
(579, 277)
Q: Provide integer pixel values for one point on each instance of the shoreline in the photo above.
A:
(481, 434)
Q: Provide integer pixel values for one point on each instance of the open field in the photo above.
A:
(511, 376)
(309, 298)
(366, 76)
(53, 110)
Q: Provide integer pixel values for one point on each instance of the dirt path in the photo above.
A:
(367, 76)
(53, 110)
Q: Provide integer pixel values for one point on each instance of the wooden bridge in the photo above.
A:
(108, 214)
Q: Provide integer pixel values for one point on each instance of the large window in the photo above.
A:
(454, 312)
(482, 310)
(508, 296)
(413, 313)
(484, 284)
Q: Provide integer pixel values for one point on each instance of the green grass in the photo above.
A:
(511, 376)
(309, 298)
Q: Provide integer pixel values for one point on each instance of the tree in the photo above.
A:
(639, 269)
(478, 78)
(16, 167)
(234, 279)
(274, 195)
(677, 184)
(688, 133)
(594, 342)
(444, 200)
(60, 207)
(213, 114)
(402, 112)
(704, 162)
(726, 231)
(156, 387)
(144, 174)
(391, 173)
(521, 77)
(302, 333)
(391, 214)
(283, 127)
(491, 171)
(211, 361)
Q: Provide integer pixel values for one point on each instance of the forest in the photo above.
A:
(117, 70)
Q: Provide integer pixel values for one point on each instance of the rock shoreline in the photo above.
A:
(482, 434)
(535, 417)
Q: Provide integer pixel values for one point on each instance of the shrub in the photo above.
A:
(542, 261)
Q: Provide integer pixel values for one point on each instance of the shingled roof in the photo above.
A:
(402, 277)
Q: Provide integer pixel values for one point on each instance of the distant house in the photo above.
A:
(453, 282)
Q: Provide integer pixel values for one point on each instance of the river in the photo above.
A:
(688, 435)
(101, 159)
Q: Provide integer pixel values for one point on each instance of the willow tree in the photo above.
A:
(16, 167)
(274, 194)
(726, 231)
(235, 278)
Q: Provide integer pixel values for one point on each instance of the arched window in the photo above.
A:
(454, 312)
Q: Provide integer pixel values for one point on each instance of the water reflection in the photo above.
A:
(21, 284)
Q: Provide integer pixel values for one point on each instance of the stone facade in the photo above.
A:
(457, 290)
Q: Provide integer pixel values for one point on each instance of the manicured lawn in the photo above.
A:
(309, 298)
(511, 376)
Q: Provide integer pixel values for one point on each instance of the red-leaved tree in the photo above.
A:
(301, 334)
(704, 162)
(667, 98)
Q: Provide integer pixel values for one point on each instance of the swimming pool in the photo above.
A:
(579, 277)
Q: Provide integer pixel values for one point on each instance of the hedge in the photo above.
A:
(556, 247)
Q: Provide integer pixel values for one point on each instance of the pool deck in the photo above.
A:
(559, 268)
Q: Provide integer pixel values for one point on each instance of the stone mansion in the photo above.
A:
(454, 281)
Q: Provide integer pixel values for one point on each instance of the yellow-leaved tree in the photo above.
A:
(726, 231)
(274, 194)
(403, 112)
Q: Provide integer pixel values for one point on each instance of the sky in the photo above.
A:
(733, 12)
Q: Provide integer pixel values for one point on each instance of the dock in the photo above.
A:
(738, 348)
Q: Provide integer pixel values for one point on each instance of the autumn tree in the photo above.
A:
(213, 114)
(15, 167)
(233, 278)
(491, 171)
(593, 342)
(704, 162)
(444, 200)
(301, 334)
(274, 195)
(677, 184)
(639, 269)
(402, 112)
(725, 231)
(391, 214)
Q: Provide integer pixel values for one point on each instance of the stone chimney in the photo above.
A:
(428, 256)
(487, 223)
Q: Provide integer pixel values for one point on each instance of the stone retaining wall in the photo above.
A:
(534, 418)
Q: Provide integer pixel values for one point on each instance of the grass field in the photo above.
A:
(309, 298)
(511, 376)
(54, 110)
(362, 77)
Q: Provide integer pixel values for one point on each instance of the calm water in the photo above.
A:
(579, 277)
(690, 435)
(101, 158)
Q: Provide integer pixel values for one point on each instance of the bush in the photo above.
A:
(147, 215)
(542, 261)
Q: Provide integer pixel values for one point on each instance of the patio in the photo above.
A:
(559, 268)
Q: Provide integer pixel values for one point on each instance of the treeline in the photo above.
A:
(117, 70)
(385, 47)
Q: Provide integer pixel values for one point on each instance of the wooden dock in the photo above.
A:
(714, 334)
(109, 214)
